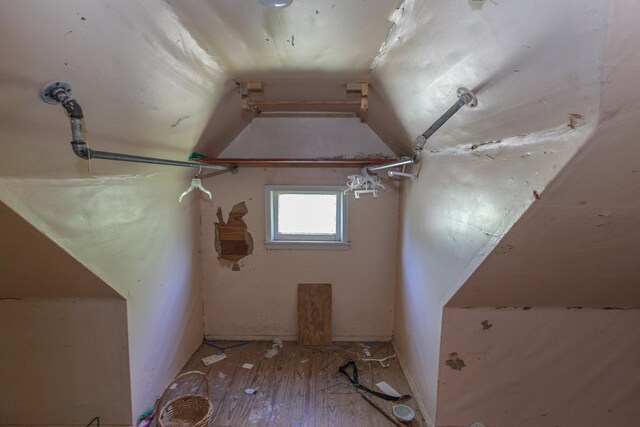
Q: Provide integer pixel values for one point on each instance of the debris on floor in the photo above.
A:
(355, 381)
(387, 389)
(210, 360)
(271, 353)
(251, 390)
(403, 412)
(147, 416)
(380, 409)
(383, 362)
(256, 396)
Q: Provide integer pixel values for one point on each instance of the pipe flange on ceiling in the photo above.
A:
(468, 96)
(46, 92)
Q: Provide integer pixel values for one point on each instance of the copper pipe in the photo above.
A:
(259, 102)
(299, 162)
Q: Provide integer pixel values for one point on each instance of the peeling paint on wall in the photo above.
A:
(401, 30)
(578, 129)
(575, 120)
(503, 249)
(454, 362)
(232, 239)
(486, 325)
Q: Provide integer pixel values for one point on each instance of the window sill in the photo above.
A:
(308, 245)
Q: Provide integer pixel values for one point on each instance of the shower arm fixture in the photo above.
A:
(466, 97)
(57, 92)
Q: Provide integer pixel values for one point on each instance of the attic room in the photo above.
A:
(483, 262)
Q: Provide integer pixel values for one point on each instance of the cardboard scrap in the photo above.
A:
(213, 359)
(247, 366)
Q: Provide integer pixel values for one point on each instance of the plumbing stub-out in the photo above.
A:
(47, 90)
(469, 97)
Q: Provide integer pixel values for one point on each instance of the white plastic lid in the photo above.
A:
(403, 412)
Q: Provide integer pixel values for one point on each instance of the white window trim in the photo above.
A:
(342, 218)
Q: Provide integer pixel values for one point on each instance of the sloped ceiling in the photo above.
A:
(155, 78)
(579, 244)
(159, 78)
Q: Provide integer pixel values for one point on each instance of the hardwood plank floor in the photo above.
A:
(298, 387)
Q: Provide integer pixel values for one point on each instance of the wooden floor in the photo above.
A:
(300, 386)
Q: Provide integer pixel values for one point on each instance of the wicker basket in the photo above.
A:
(190, 410)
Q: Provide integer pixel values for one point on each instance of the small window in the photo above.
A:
(306, 217)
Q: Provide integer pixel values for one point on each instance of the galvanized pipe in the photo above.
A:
(443, 119)
(291, 162)
(466, 97)
(59, 94)
(105, 155)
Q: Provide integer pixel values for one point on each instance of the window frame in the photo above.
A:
(275, 240)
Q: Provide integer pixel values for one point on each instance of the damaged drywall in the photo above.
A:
(543, 367)
(454, 362)
(232, 239)
(362, 277)
(575, 130)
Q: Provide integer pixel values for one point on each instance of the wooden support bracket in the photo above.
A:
(248, 103)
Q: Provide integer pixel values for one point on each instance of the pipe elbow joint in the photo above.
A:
(417, 156)
(72, 108)
(81, 149)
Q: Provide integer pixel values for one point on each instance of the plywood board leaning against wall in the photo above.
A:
(314, 313)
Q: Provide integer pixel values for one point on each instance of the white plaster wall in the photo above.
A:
(531, 65)
(452, 216)
(540, 367)
(260, 301)
(63, 362)
(133, 234)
